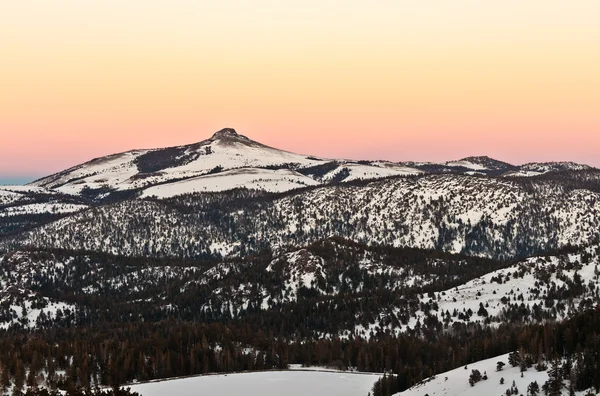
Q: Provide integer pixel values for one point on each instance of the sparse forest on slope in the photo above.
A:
(478, 216)
(91, 287)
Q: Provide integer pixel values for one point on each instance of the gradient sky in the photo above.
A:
(390, 79)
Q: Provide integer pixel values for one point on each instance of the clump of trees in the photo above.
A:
(475, 377)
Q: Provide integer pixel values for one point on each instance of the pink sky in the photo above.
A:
(397, 80)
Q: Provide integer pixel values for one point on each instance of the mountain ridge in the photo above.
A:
(192, 168)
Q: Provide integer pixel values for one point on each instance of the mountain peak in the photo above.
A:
(228, 137)
(226, 133)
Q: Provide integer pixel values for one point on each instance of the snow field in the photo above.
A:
(269, 383)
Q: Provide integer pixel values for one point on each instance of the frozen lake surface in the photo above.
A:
(271, 383)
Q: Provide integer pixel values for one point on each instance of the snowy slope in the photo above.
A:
(533, 290)
(456, 382)
(225, 149)
(251, 178)
(107, 171)
(529, 283)
(466, 164)
(271, 383)
(9, 197)
(356, 171)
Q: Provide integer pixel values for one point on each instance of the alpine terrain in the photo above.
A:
(471, 276)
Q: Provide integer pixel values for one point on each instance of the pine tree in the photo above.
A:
(514, 358)
(475, 377)
(554, 383)
(19, 379)
(4, 378)
(533, 389)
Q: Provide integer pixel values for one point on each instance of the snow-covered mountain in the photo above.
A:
(227, 160)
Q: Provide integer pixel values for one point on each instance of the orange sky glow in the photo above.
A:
(389, 79)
